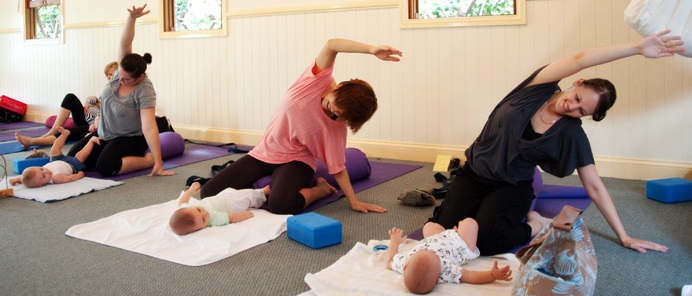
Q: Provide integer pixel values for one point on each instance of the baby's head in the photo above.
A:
(422, 272)
(33, 177)
(188, 220)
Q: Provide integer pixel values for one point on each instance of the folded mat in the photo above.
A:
(146, 231)
(362, 272)
(29, 132)
(192, 154)
(55, 192)
(19, 125)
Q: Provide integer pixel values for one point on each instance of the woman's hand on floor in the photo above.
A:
(159, 171)
(367, 207)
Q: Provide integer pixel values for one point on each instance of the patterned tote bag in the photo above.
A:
(560, 260)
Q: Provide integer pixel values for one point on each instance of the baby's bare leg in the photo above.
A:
(86, 150)
(432, 228)
(56, 150)
(468, 231)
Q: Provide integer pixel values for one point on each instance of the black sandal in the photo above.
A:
(217, 168)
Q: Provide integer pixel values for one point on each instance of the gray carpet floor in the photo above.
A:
(37, 258)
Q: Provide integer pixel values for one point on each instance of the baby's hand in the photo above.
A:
(396, 235)
(194, 187)
(504, 273)
(95, 140)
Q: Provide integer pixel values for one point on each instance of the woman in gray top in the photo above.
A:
(127, 125)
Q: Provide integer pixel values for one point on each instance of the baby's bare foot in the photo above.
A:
(266, 190)
(63, 130)
(535, 216)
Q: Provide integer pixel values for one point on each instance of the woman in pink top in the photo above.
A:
(311, 123)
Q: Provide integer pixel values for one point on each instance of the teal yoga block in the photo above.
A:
(314, 230)
(21, 164)
(669, 190)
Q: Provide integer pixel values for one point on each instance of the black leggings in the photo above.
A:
(81, 129)
(499, 208)
(107, 158)
(287, 181)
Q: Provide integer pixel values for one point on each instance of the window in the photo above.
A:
(193, 18)
(443, 13)
(43, 20)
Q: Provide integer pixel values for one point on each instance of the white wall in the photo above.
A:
(435, 100)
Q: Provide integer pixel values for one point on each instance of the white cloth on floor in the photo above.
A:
(363, 272)
(146, 231)
(55, 192)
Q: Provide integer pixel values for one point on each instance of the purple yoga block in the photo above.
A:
(314, 230)
(669, 190)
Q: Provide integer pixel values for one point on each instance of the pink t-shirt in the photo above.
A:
(300, 130)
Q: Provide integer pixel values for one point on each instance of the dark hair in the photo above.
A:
(357, 100)
(135, 64)
(606, 96)
(182, 222)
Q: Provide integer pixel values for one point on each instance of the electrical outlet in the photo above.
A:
(6, 192)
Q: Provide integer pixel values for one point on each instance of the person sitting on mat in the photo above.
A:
(439, 256)
(127, 125)
(61, 168)
(84, 117)
(311, 123)
(229, 206)
(539, 124)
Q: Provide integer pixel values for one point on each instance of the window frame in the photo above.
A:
(29, 24)
(167, 20)
(492, 20)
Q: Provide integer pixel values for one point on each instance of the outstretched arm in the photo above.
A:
(601, 198)
(151, 135)
(486, 277)
(327, 56)
(129, 31)
(345, 184)
(655, 46)
(62, 178)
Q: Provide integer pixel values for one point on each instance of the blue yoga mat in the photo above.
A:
(10, 147)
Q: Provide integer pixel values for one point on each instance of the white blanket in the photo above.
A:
(362, 272)
(146, 231)
(55, 192)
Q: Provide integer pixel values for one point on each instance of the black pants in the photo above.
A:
(81, 129)
(499, 208)
(287, 181)
(107, 158)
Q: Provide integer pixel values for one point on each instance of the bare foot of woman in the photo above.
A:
(322, 184)
(537, 222)
(25, 141)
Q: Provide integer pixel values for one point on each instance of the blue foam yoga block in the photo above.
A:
(314, 230)
(669, 190)
(21, 164)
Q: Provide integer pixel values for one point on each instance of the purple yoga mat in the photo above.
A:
(34, 132)
(192, 154)
(380, 172)
(18, 125)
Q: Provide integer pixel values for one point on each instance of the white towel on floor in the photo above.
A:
(362, 272)
(55, 192)
(146, 231)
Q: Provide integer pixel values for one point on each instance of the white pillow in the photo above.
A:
(649, 17)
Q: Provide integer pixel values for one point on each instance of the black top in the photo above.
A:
(500, 153)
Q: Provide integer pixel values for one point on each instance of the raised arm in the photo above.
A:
(185, 196)
(601, 198)
(129, 31)
(345, 184)
(327, 56)
(396, 237)
(655, 46)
